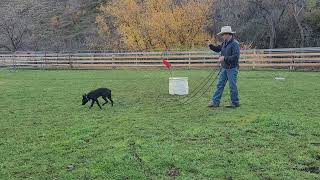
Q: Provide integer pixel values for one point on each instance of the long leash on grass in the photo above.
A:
(194, 97)
(200, 85)
(201, 89)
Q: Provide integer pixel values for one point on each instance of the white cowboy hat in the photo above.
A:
(226, 30)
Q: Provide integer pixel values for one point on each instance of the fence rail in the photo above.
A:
(308, 58)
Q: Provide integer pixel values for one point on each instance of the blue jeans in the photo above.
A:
(231, 76)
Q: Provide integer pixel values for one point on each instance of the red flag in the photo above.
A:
(167, 63)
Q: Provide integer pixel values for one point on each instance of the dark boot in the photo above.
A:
(233, 105)
(213, 105)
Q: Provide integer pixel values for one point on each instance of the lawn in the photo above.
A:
(45, 133)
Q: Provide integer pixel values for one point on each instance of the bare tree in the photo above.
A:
(13, 34)
(15, 24)
(72, 24)
(272, 12)
(296, 8)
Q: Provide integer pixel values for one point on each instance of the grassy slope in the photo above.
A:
(43, 128)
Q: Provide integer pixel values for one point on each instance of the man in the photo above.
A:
(229, 59)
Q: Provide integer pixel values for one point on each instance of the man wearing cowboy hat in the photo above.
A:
(229, 59)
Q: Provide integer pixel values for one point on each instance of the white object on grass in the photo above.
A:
(280, 78)
(178, 86)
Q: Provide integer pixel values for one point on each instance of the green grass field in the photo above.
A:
(45, 133)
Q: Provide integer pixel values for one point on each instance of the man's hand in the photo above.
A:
(209, 42)
(221, 59)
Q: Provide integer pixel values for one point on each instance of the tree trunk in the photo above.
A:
(301, 30)
(273, 35)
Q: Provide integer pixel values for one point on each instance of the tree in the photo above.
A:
(312, 15)
(296, 9)
(13, 34)
(157, 24)
(151, 24)
(272, 13)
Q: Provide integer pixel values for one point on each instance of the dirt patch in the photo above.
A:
(251, 131)
(70, 167)
(293, 134)
(132, 148)
(315, 143)
(312, 169)
(173, 172)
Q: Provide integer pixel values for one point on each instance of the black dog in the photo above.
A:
(105, 93)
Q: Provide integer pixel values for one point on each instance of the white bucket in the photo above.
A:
(178, 86)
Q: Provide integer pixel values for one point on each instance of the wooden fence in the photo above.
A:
(253, 59)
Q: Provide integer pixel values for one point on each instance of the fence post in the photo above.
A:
(136, 62)
(70, 63)
(255, 57)
(92, 62)
(292, 61)
(189, 60)
(14, 62)
(112, 61)
(57, 60)
(45, 59)
(38, 59)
